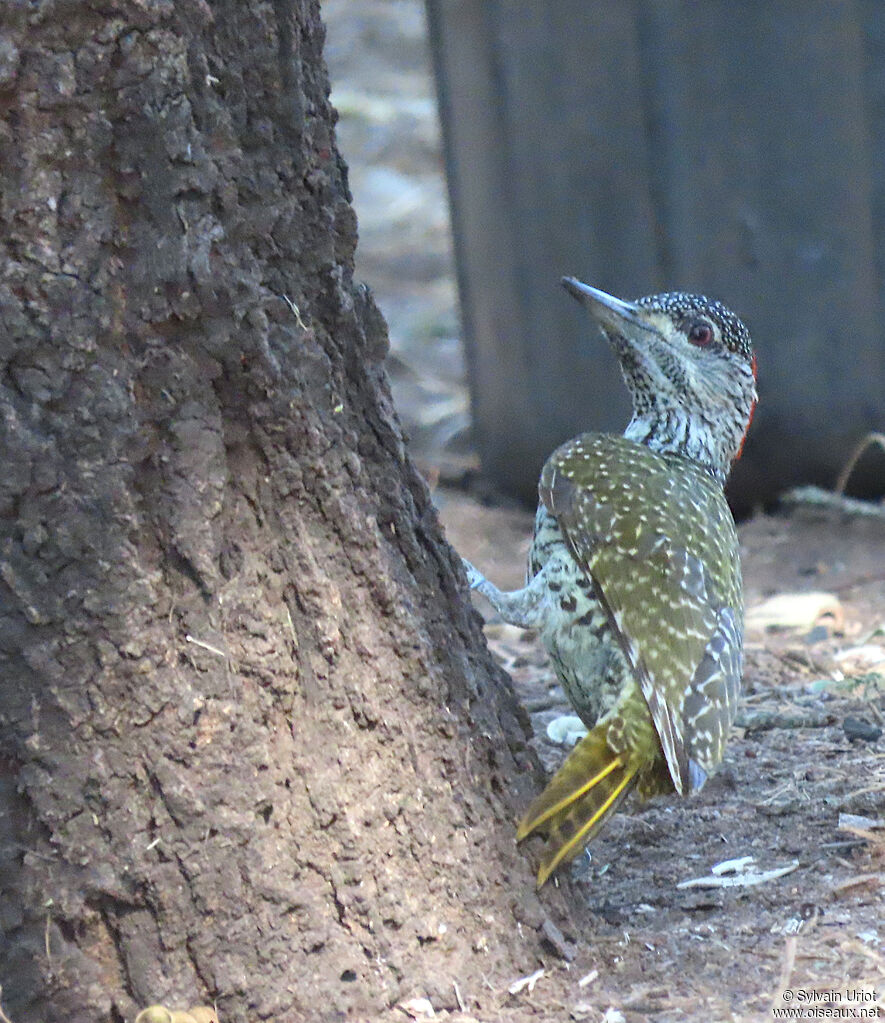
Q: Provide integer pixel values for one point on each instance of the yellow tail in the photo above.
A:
(581, 795)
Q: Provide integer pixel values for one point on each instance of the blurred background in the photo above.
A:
(380, 66)
(731, 148)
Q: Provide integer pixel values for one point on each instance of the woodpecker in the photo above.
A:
(634, 576)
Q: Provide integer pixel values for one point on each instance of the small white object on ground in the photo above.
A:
(737, 873)
(525, 983)
(418, 1008)
(566, 730)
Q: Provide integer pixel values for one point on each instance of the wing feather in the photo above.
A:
(655, 534)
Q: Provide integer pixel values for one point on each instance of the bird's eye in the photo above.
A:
(700, 334)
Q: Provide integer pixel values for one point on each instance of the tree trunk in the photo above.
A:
(253, 748)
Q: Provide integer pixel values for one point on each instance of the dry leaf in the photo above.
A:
(796, 611)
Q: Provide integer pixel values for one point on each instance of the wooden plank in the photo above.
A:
(764, 186)
(735, 149)
(548, 176)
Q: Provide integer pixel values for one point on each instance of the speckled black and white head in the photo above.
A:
(689, 364)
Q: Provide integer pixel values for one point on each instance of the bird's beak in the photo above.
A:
(612, 314)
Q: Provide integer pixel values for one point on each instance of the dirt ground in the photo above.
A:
(802, 789)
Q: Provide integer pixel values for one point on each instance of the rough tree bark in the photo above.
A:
(253, 750)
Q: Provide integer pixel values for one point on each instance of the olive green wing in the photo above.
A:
(658, 540)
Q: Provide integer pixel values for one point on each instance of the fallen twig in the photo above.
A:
(857, 824)
(827, 499)
(765, 720)
(205, 646)
(871, 439)
(458, 997)
(858, 879)
(789, 961)
(3, 1017)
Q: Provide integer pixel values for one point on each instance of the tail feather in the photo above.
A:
(582, 794)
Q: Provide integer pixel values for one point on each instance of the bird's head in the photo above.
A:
(690, 367)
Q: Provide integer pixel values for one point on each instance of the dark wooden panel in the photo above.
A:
(757, 112)
(545, 155)
(731, 148)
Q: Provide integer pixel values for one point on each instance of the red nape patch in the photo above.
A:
(749, 421)
(752, 412)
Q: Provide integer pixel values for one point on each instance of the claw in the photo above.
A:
(475, 578)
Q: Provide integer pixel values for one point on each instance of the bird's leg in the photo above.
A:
(525, 608)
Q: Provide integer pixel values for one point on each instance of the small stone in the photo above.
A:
(858, 729)
(440, 993)
(553, 936)
(583, 1010)
(9, 61)
(817, 635)
(418, 1008)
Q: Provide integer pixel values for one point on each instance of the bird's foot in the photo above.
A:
(523, 608)
(475, 578)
